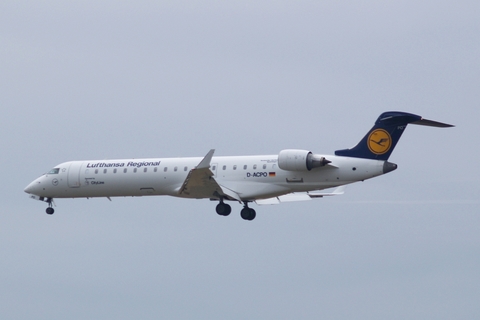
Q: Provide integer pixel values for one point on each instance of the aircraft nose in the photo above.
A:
(32, 187)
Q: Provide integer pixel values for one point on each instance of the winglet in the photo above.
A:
(205, 163)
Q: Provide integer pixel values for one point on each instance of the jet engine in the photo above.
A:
(300, 160)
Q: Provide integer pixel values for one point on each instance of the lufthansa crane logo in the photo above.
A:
(379, 141)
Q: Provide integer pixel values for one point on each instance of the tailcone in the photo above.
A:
(389, 167)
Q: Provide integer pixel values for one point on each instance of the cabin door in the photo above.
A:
(74, 174)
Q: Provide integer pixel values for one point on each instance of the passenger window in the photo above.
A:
(254, 166)
(245, 167)
(264, 166)
(125, 170)
(145, 169)
(165, 169)
(135, 170)
(54, 171)
(235, 167)
(104, 170)
(213, 168)
(96, 171)
(175, 169)
(224, 167)
(114, 170)
(155, 169)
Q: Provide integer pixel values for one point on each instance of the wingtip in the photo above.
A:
(205, 163)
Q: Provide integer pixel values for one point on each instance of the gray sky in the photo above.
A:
(119, 79)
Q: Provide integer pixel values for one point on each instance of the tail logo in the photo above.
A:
(379, 141)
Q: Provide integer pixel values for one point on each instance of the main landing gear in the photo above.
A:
(50, 209)
(223, 209)
(247, 213)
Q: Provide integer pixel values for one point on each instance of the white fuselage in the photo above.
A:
(291, 175)
(251, 177)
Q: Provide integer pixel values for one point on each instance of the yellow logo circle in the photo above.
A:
(379, 141)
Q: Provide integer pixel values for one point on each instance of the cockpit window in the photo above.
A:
(54, 171)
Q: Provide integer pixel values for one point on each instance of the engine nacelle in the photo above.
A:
(300, 160)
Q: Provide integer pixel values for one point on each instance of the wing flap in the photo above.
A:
(300, 196)
(292, 197)
(337, 192)
(268, 201)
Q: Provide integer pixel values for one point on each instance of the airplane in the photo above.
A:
(291, 175)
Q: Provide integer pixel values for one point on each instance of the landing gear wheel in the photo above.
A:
(245, 213)
(223, 209)
(248, 214)
(50, 210)
(253, 214)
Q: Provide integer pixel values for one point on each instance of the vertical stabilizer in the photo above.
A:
(380, 141)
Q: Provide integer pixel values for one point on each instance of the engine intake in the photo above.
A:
(300, 160)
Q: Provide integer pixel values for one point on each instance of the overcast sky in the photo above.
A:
(123, 79)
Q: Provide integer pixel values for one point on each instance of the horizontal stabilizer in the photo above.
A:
(431, 123)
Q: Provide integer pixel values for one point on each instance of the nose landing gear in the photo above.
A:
(50, 209)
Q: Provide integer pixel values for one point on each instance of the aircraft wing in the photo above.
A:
(200, 182)
(300, 196)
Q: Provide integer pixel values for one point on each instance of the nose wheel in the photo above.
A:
(50, 209)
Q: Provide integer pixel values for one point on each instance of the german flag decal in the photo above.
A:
(271, 174)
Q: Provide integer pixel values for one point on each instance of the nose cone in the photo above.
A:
(33, 187)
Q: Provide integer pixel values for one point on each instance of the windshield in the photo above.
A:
(54, 171)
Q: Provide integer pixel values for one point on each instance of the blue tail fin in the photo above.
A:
(380, 141)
